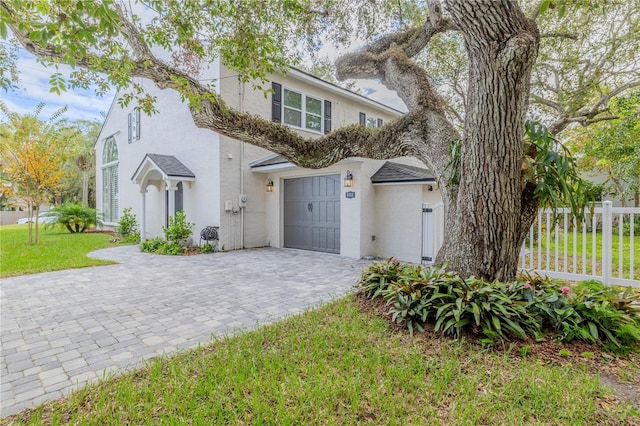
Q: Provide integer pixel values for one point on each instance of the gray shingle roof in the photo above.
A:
(170, 165)
(269, 161)
(394, 172)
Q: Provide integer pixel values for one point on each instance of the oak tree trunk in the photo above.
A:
(488, 213)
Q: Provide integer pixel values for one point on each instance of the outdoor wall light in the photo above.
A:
(270, 186)
(348, 180)
(430, 187)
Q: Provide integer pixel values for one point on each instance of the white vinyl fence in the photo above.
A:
(601, 247)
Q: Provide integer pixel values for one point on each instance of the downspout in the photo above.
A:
(241, 96)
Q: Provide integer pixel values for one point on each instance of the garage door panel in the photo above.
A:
(312, 213)
(322, 237)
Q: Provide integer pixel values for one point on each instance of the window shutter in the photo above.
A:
(363, 118)
(137, 124)
(327, 116)
(276, 102)
(129, 138)
(380, 122)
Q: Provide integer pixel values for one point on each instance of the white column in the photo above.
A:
(143, 215)
(172, 188)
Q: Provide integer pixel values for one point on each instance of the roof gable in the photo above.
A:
(396, 173)
(168, 166)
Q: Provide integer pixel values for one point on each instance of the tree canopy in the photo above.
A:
(469, 72)
(30, 164)
(613, 147)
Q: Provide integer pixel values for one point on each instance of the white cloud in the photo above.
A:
(33, 88)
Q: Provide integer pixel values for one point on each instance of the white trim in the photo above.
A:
(290, 165)
(375, 119)
(303, 110)
(318, 82)
(417, 182)
(98, 139)
(141, 173)
(260, 160)
(272, 167)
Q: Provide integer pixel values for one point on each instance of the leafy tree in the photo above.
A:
(477, 153)
(30, 163)
(613, 147)
(78, 182)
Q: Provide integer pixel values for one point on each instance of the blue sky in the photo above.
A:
(33, 88)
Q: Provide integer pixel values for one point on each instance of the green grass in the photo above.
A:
(626, 259)
(337, 365)
(55, 250)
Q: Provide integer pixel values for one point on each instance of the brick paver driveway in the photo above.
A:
(60, 330)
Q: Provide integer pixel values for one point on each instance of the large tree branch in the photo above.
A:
(559, 35)
(604, 100)
(398, 138)
(535, 99)
(593, 114)
(389, 60)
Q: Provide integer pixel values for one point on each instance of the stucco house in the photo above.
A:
(358, 207)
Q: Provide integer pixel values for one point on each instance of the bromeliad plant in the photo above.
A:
(527, 307)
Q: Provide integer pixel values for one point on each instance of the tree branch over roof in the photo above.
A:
(395, 139)
(389, 59)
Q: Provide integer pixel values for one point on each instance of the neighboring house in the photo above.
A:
(615, 187)
(358, 207)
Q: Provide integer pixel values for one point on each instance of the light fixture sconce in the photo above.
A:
(270, 186)
(348, 180)
(430, 188)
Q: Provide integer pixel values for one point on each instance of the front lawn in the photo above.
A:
(550, 262)
(341, 365)
(56, 250)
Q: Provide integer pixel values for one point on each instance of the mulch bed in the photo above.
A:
(191, 251)
(100, 231)
(593, 356)
(188, 251)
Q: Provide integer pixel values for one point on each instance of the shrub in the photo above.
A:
(417, 295)
(151, 246)
(170, 248)
(179, 230)
(160, 246)
(206, 248)
(626, 227)
(74, 217)
(128, 226)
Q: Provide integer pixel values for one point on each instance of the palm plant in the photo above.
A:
(74, 217)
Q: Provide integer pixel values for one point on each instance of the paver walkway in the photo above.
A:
(60, 330)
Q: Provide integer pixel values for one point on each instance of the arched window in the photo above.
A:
(110, 180)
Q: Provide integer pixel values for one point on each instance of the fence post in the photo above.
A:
(607, 241)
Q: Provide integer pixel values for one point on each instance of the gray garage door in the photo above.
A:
(312, 213)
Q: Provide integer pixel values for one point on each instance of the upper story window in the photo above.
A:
(370, 121)
(134, 126)
(299, 110)
(302, 111)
